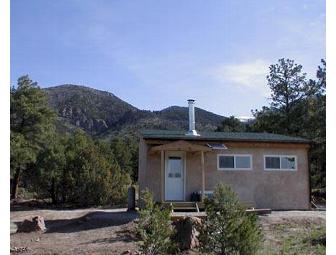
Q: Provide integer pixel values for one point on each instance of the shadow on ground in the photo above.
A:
(124, 235)
(92, 220)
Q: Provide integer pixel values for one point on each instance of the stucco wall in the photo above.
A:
(266, 189)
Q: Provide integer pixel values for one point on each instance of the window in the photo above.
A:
(175, 167)
(234, 162)
(274, 162)
(226, 162)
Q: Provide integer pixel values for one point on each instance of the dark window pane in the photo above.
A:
(226, 162)
(273, 162)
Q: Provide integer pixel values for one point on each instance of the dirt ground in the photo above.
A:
(87, 231)
(287, 232)
(110, 231)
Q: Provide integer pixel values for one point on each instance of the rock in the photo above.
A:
(186, 232)
(34, 225)
(18, 249)
(128, 252)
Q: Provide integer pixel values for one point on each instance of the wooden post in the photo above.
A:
(203, 175)
(162, 175)
(131, 199)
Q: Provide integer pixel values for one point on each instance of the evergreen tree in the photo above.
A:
(321, 75)
(231, 124)
(154, 228)
(298, 108)
(122, 154)
(31, 122)
(92, 175)
(125, 150)
(270, 120)
(228, 229)
(49, 166)
(288, 85)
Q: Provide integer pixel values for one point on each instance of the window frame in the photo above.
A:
(234, 162)
(280, 169)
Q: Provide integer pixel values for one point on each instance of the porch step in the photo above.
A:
(184, 207)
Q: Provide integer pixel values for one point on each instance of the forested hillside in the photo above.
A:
(102, 114)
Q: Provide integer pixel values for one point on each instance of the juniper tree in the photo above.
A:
(228, 229)
(154, 228)
(92, 175)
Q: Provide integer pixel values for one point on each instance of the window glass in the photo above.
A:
(287, 162)
(226, 162)
(243, 162)
(272, 162)
(175, 167)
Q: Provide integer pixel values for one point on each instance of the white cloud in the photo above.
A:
(250, 75)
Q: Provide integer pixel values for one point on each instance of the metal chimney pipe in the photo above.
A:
(192, 129)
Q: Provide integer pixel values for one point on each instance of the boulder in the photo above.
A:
(36, 224)
(186, 232)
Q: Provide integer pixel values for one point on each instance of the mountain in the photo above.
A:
(102, 114)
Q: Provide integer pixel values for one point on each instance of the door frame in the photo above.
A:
(181, 154)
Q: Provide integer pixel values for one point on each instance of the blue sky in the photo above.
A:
(157, 53)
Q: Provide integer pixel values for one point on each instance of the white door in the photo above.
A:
(174, 176)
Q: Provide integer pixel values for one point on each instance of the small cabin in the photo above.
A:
(265, 170)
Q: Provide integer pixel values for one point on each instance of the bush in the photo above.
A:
(92, 176)
(228, 229)
(79, 170)
(154, 228)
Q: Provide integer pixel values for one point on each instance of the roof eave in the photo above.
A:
(199, 138)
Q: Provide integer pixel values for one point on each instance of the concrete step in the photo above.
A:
(185, 209)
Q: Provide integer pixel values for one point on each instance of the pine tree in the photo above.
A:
(298, 108)
(32, 123)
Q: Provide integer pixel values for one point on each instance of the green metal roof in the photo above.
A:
(221, 136)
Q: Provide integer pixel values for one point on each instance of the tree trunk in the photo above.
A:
(16, 183)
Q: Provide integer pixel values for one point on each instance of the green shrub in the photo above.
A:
(228, 229)
(154, 228)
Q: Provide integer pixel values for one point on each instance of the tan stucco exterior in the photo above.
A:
(265, 189)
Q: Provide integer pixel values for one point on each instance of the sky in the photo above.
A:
(154, 53)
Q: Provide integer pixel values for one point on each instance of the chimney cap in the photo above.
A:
(191, 100)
